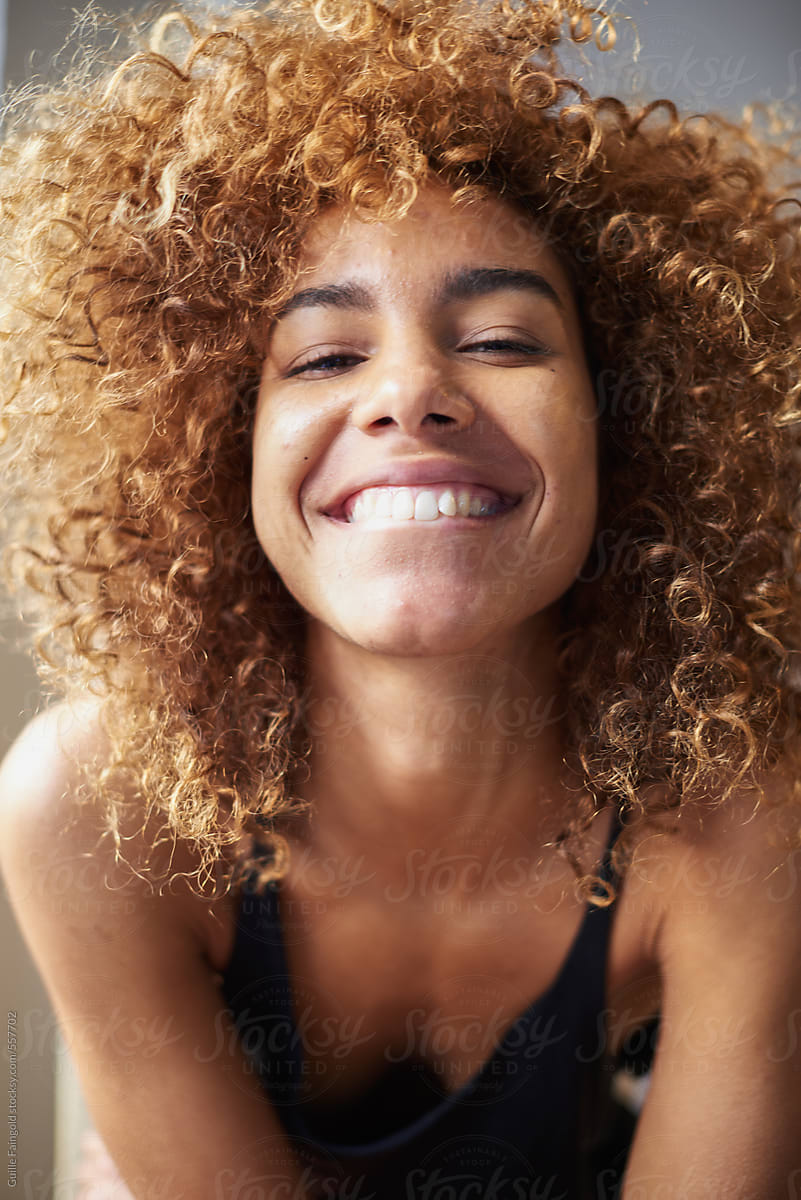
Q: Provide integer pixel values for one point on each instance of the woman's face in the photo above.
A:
(424, 474)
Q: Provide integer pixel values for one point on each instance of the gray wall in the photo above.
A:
(708, 54)
(36, 29)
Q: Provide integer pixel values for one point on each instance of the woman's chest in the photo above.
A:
(371, 982)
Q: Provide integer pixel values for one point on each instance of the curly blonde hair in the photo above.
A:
(151, 224)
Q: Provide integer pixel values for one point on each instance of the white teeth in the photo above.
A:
(425, 507)
(402, 505)
(416, 503)
(447, 504)
(383, 504)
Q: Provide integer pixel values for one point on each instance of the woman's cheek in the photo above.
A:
(288, 442)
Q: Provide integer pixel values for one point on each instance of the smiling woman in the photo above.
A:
(415, 442)
(422, 366)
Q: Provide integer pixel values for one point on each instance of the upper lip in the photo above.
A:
(418, 472)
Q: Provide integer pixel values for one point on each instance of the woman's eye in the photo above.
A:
(325, 364)
(505, 347)
(508, 350)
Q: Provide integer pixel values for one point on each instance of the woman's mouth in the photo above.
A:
(424, 503)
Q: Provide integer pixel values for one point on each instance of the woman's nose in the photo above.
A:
(410, 396)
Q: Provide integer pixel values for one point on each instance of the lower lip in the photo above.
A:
(442, 523)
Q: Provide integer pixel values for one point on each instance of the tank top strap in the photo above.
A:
(606, 872)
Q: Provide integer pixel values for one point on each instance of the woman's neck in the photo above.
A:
(403, 747)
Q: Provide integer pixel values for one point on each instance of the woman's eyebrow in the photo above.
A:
(481, 281)
(464, 284)
(330, 295)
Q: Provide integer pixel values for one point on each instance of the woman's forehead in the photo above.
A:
(436, 229)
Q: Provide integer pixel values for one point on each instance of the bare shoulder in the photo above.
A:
(45, 767)
(56, 853)
(41, 777)
(719, 860)
(729, 958)
(47, 806)
(127, 968)
(713, 890)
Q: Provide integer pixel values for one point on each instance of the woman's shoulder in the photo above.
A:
(710, 849)
(722, 877)
(48, 798)
(135, 999)
(728, 947)
(42, 777)
(57, 850)
(708, 926)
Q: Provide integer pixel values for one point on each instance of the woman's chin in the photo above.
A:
(414, 629)
(417, 643)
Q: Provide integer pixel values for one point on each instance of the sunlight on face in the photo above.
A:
(425, 443)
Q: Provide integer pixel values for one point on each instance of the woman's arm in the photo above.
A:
(723, 1113)
(164, 1077)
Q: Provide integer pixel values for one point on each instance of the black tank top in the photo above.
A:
(537, 1122)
